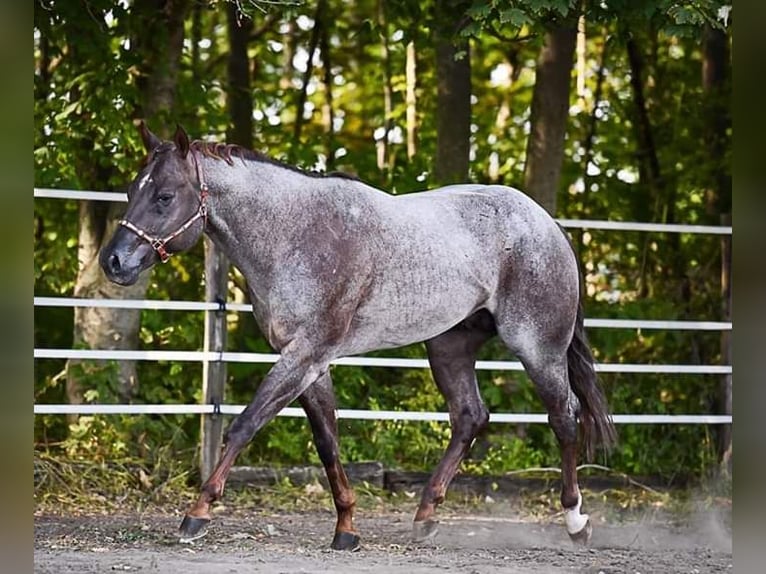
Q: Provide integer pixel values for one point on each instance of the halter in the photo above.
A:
(158, 243)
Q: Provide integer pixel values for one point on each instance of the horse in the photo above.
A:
(336, 267)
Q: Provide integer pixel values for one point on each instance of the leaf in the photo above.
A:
(682, 16)
(515, 17)
(480, 10)
(460, 54)
(67, 111)
(472, 29)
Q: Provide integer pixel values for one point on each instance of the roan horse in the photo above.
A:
(336, 267)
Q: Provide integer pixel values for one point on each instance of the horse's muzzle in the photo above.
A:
(115, 268)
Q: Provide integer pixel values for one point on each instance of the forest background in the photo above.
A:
(615, 110)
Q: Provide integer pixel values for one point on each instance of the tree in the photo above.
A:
(453, 102)
(245, 82)
(549, 114)
(158, 43)
(716, 84)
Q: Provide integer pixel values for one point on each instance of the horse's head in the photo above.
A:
(166, 209)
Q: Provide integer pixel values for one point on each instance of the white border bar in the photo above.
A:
(156, 304)
(355, 414)
(120, 355)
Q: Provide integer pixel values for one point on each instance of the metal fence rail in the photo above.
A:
(356, 414)
(358, 361)
(569, 223)
(161, 305)
(362, 361)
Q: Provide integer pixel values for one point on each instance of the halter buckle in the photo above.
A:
(159, 246)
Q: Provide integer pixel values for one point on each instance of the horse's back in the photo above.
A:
(503, 221)
(439, 256)
(524, 256)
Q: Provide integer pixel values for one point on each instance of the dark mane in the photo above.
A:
(225, 152)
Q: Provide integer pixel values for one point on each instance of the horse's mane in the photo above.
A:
(226, 152)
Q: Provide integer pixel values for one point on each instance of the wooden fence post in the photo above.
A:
(213, 372)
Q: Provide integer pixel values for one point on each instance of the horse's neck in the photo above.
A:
(251, 204)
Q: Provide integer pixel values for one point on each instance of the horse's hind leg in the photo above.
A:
(552, 383)
(546, 364)
(319, 403)
(452, 356)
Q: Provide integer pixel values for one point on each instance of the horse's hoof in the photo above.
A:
(582, 538)
(192, 528)
(424, 530)
(345, 541)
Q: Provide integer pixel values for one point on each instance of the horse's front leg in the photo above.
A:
(295, 371)
(319, 403)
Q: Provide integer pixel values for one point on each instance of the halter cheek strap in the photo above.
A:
(159, 243)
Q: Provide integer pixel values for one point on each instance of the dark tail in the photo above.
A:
(595, 421)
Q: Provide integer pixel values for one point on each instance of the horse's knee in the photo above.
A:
(239, 433)
(564, 426)
(482, 419)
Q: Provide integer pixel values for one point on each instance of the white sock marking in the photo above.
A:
(574, 520)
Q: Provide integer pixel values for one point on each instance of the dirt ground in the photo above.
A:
(298, 542)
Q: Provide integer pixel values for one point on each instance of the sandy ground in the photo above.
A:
(293, 542)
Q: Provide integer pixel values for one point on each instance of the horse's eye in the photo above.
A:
(165, 198)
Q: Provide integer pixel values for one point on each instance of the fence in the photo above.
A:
(216, 357)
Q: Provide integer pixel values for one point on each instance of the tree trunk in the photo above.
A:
(196, 36)
(588, 144)
(716, 76)
(102, 328)
(328, 108)
(715, 83)
(289, 41)
(159, 28)
(159, 40)
(648, 159)
(239, 99)
(384, 155)
(649, 174)
(411, 99)
(453, 97)
(303, 94)
(548, 115)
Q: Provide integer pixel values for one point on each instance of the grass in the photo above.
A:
(66, 486)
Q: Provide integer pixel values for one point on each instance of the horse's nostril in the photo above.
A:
(114, 263)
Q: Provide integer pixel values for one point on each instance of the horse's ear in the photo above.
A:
(150, 140)
(181, 140)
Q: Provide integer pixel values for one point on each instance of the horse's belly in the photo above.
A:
(400, 317)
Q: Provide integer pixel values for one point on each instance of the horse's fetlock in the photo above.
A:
(212, 491)
(346, 502)
(570, 499)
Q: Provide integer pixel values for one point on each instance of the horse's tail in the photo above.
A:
(595, 421)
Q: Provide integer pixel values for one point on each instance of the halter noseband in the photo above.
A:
(158, 243)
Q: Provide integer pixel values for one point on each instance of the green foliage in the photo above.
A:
(84, 134)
